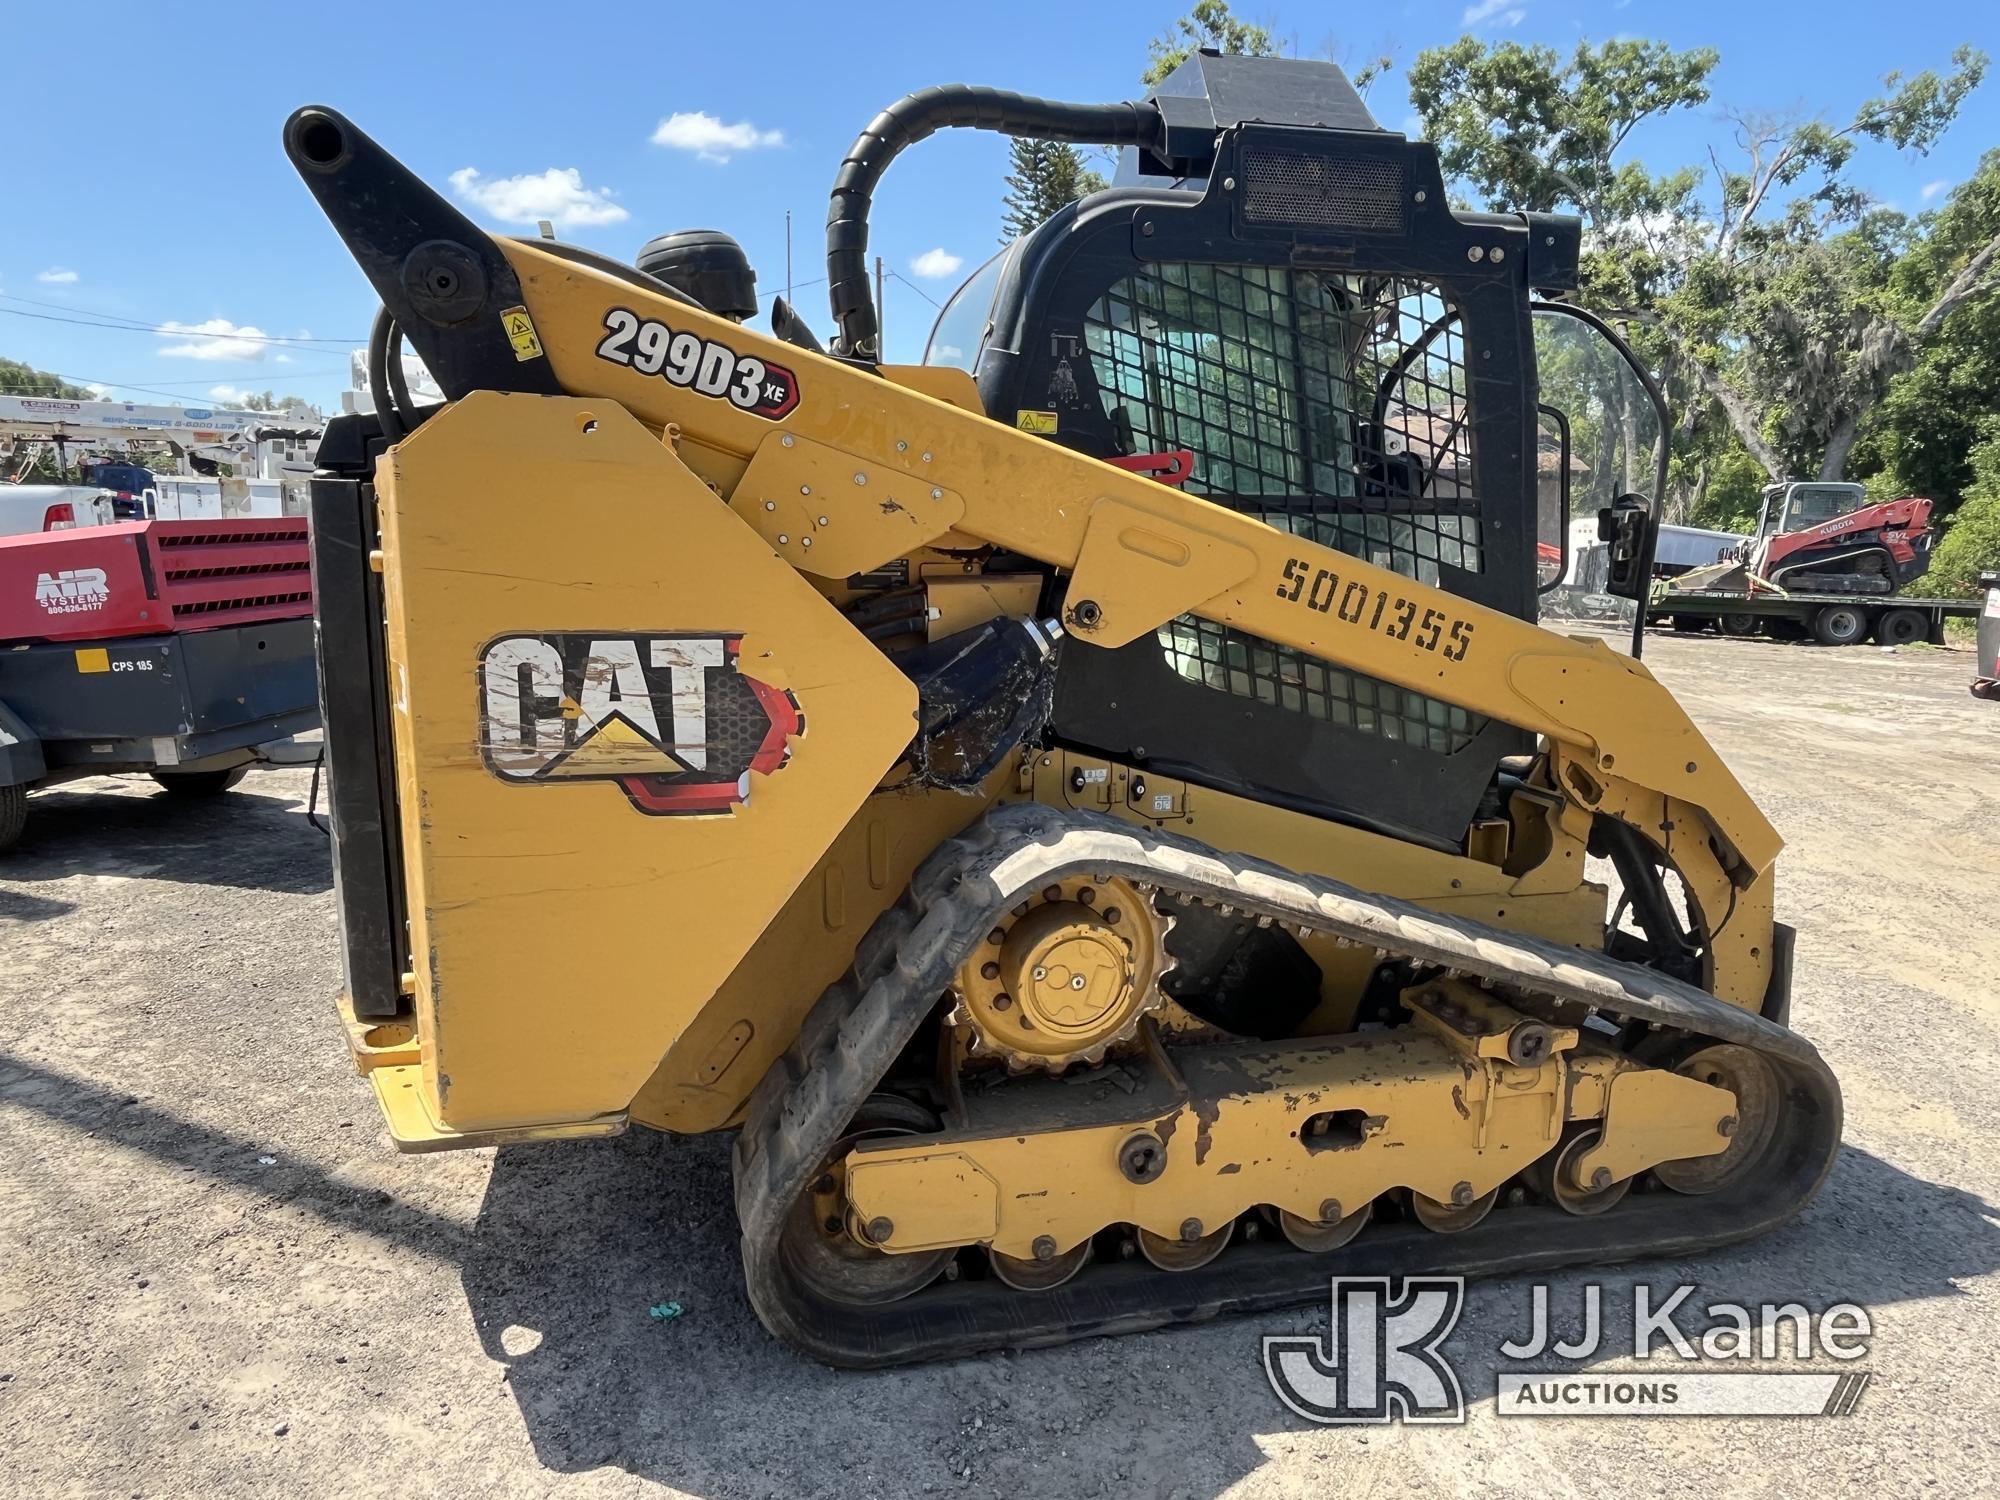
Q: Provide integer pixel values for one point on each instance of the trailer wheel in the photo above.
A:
(13, 815)
(1899, 627)
(1742, 625)
(1840, 625)
(200, 783)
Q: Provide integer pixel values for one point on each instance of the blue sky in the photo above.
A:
(148, 187)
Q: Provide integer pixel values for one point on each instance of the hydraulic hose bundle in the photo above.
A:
(909, 120)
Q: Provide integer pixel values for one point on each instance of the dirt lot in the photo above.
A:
(216, 1278)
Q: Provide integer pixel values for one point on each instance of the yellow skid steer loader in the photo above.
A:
(1093, 811)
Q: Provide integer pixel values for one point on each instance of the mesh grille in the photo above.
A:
(1247, 666)
(1272, 378)
(737, 722)
(1332, 407)
(1285, 187)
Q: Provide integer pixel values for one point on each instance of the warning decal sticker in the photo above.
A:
(521, 333)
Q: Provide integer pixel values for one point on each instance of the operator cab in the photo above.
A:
(1800, 507)
(1338, 353)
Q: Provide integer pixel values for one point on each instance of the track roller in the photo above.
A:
(1554, 1177)
(1317, 1236)
(1190, 1252)
(1452, 1218)
(1039, 1274)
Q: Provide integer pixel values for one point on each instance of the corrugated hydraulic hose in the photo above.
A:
(918, 115)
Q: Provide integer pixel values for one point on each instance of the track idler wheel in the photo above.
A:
(1554, 1177)
(1042, 1273)
(1750, 1079)
(1318, 1236)
(1455, 1217)
(826, 1250)
(1190, 1252)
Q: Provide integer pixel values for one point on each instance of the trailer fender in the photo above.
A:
(21, 760)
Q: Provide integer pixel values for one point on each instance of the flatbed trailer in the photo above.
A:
(1830, 619)
(183, 650)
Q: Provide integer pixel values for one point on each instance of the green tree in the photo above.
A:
(1769, 295)
(1921, 437)
(1042, 177)
(17, 379)
(1792, 315)
(1971, 542)
(1729, 487)
(1209, 24)
(1532, 130)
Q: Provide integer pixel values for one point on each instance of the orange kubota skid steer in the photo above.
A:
(1093, 811)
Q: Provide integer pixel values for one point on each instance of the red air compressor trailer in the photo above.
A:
(177, 648)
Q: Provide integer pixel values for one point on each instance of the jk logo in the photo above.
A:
(1380, 1360)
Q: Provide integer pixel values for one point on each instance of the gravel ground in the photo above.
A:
(216, 1279)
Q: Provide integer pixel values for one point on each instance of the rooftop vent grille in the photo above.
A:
(1289, 187)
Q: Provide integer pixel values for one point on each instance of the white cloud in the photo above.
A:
(1506, 12)
(557, 195)
(219, 339)
(228, 395)
(934, 265)
(711, 140)
(100, 390)
(57, 276)
(1932, 189)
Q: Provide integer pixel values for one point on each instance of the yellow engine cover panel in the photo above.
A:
(625, 730)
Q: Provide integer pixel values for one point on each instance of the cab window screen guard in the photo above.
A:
(1333, 407)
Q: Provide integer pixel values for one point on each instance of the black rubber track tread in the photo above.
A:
(854, 1033)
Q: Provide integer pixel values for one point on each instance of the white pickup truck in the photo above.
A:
(53, 507)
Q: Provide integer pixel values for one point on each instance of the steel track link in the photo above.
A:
(904, 964)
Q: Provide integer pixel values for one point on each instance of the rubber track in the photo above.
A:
(904, 964)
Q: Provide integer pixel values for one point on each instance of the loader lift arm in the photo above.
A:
(915, 468)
